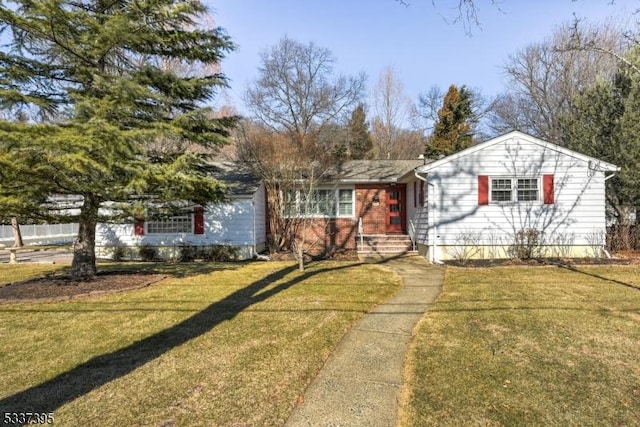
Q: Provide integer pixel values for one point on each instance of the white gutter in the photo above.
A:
(434, 244)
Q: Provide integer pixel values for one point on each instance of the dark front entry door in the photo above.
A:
(395, 196)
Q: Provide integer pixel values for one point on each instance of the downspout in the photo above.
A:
(434, 245)
(255, 224)
(606, 252)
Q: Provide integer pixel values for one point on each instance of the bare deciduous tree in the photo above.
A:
(465, 12)
(287, 170)
(545, 76)
(298, 93)
(391, 111)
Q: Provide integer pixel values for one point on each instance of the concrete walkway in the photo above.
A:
(361, 382)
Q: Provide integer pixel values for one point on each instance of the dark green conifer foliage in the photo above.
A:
(91, 79)
(604, 122)
(452, 131)
(360, 140)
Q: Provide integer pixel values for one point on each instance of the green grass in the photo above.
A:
(214, 344)
(21, 271)
(529, 346)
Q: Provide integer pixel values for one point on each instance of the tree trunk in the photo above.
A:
(17, 236)
(83, 266)
(300, 255)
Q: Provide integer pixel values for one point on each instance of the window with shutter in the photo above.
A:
(548, 189)
(138, 227)
(483, 190)
(198, 220)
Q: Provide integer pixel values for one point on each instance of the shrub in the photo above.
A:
(219, 253)
(187, 253)
(147, 253)
(118, 253)
(467, 246)
(595, 241)
(563, 244)
(527, 244)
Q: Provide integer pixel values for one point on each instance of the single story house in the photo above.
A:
(513, 195)
(239, 222)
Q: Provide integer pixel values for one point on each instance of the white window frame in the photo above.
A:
(176, 224)
(515, 189)
(352, 203)
(525, 189)
(292, 207)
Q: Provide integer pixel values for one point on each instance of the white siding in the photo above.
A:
(229, 223)
(238, 223)
(260, 218)
(577, 214)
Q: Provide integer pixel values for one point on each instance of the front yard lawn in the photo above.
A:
(213, 344)
(529, 346)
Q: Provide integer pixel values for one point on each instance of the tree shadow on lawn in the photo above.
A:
(597, 276)
(173, 269)
(66, 387)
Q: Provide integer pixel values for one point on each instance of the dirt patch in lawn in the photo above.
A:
(63, 287)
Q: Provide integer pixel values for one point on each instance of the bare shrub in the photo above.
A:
(527, 244)
(467, 246)
(494, 246)
(561, 244)
(595, 241)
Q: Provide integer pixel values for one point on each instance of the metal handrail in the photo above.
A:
(412, 233)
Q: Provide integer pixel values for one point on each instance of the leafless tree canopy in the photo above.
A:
(391, 113)
(464, 12)
(545, 76)
(297, 91)
(297, 105)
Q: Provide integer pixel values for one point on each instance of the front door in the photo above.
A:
(395, 196)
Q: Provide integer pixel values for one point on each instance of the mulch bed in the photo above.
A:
(544, 261)
(61, 287)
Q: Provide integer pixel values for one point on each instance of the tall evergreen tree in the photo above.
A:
(603, 122)
(452, 131)
(91, 79)
(360, 140)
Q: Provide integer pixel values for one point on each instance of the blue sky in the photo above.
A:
(424, 50)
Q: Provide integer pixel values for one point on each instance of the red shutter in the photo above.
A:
(138, 227)
(547, 189)
(415, 194)
(198, 220)
(422, 185)
(483, 190)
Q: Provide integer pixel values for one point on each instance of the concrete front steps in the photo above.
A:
(380, 246)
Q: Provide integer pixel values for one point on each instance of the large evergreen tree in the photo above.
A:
(360, 140)
(453, 130)
(90, 78)
(604, 122)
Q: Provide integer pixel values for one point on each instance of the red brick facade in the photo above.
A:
(334, 235)
(331, 235)
(371, 207)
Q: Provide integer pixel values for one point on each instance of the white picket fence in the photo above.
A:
(40, 234)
